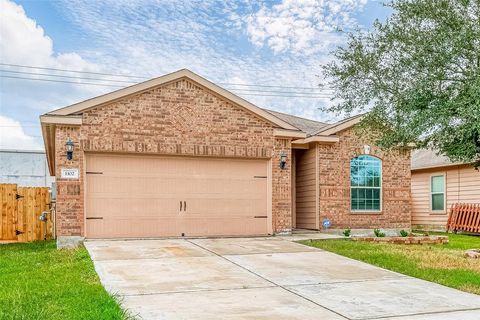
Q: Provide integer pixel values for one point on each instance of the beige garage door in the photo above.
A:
(144, 196)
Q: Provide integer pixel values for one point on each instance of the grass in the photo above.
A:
(37, 281)
(441, 263)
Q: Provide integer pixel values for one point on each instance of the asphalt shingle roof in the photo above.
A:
(424, 158)
(420, 158)
(306, 125)
(336, 124)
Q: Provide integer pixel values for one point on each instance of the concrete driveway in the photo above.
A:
(264, 278)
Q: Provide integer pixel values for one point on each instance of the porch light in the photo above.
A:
(283, 160)
(69, 146)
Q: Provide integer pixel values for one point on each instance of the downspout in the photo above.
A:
(458, 184)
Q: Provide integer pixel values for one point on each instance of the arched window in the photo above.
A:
(366, 183)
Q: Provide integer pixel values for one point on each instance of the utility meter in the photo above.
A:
(43, 216)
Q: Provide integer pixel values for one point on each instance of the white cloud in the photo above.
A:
(25, 42)
(12, 136)
(151, 38)
(155, 37)
(302, 27)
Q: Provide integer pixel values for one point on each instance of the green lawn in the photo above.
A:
(441, 263)
(37, 281)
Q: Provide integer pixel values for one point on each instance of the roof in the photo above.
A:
(339, 126)
(71, 114)
(285, 125)
(425, 158)
(79, 108)
(306, 125)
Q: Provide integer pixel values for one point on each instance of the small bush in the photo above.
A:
(347, 232)
(379, 233)
(403, 233)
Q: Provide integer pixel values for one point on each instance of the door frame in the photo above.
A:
(316, 148)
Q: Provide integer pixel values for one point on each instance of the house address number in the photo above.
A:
(69, 173)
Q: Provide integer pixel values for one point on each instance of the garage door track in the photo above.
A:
(264, 278)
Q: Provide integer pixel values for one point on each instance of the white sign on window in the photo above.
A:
(69, 173)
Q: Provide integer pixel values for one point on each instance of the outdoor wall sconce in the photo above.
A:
(283, 160)
(69, 146)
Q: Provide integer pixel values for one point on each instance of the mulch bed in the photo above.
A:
(405, 240)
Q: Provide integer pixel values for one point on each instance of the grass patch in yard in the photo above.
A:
(37, 281)
(440, 263)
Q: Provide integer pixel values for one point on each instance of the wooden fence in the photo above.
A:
(20, 210)
(464, 217)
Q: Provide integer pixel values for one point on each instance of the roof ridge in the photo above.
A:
(335, 124)
(291, 115)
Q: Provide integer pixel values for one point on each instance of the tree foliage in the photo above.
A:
(418, 75)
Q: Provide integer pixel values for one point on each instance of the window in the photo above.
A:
(365, 183)
(437, 190)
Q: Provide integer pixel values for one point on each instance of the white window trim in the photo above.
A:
(354, 187)
(438, 174)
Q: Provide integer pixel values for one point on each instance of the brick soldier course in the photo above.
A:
(183, 114)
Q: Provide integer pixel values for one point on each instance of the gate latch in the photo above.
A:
(18, 232)
(17, 196)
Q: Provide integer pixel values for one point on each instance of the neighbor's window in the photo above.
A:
(437, 190)
(365, 183)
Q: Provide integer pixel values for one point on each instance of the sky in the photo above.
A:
(274, 47)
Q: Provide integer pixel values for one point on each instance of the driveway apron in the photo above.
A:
(264, 278)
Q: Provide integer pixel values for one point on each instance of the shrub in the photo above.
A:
(347, 232)
(378, 233)
(403, 233)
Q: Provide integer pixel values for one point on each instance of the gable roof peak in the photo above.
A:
(80, 107)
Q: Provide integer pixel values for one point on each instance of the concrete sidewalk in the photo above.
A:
(264, 278)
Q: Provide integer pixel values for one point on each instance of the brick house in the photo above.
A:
(180, 156)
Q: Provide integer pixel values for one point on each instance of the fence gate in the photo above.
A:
(20, 210)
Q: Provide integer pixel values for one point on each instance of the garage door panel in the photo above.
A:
(139, 196)
(121, 207)
(215, 207)
(125, 227)
(187, 167)
(128, 185)
(235, 187)
(233, 226)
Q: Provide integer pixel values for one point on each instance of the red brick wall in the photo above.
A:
(70, 194)
(334, 180)
(180, 118)
(281, 187)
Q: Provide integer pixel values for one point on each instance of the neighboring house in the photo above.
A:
(25, 168)
(438, 183)
(180, 156)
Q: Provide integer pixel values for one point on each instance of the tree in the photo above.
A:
(418, 75)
